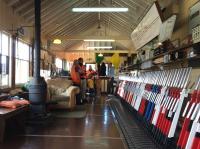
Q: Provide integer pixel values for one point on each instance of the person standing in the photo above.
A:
(98, 69)
(103, 69)
(75, 73)
(83, 68)
(76, 79)
(111, 75)
(90, 78)
(83, 78)
(98, 81)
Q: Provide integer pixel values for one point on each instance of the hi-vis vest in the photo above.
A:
(75, 75)
(83, 75)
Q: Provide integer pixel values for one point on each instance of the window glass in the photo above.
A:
(22, 62)
(22, 71)
(58, 63)
(4, 59)
(92, 65)
(22, 51)
(5, 44)
(45, 73)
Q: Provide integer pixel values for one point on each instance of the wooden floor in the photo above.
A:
(97, 130)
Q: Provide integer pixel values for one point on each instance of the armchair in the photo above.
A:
(62, 92)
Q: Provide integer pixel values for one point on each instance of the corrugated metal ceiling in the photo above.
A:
(58, 20)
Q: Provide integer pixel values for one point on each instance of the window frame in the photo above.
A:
(4, 87)
(20, 59)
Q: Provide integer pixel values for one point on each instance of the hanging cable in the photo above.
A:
(99, 15)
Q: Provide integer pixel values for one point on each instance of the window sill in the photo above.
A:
(5, 89)
(19, 85)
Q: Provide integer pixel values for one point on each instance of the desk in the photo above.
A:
(9, 113)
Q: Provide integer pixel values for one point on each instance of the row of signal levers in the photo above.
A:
(162, 101)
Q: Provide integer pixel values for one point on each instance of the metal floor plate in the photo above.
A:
(135, 135)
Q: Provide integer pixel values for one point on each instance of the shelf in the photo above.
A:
(134, 66)
(131, 66)
(169, 52)
(192, 62)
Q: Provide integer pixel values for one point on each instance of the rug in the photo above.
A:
(78, 112)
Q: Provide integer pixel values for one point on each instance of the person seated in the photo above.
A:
(90, 78)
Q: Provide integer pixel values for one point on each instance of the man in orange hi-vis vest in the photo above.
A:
(75, 73)
(83, 78)
(76, 79)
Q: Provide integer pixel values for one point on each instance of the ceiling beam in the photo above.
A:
(124, 33)
(65, 22)
(81, 29)
(23, 6)
(95, 51)
(122, 26)
(131, 12)
(12, 2)
(59, 13)
(59, 18)
(79, 37)
(138, 3)
(121, 19)
(45, 4)
(30, 10)
(72, 43)
(47, 9)
(78, 22)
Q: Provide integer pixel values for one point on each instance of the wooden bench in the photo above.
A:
(6, 113)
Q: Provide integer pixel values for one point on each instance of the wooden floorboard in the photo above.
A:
(97, 130)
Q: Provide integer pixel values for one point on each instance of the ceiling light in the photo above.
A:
(100, 55)
(109, 47)
(100, 40)
(57, 41)
(100, 9)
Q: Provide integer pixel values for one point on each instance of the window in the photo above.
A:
(4, 59)
(58, 63)
(45, 73)
(93, 66)
(69, 66)
(22, 62)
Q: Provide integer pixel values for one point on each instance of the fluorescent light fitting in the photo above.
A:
(109, 47)
(101, 40)
(100, 9)
(57, 41)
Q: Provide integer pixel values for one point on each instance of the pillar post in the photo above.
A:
(13, 53)
(38, 86)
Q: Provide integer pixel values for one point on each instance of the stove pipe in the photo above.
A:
(38, 86)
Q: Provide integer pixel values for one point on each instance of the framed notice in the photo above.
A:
(148, 28)
(166, 29)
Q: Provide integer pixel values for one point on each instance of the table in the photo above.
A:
(6, 113)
